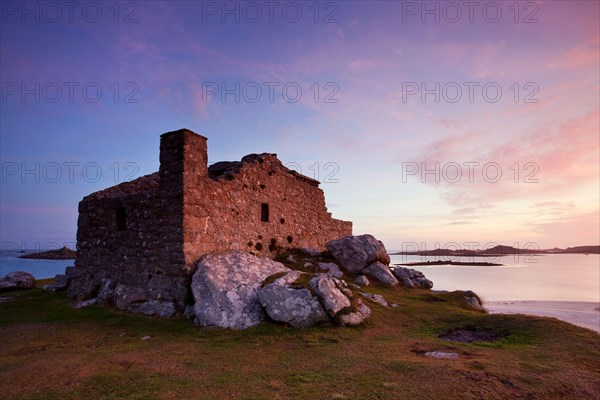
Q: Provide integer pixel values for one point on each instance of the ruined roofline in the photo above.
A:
(151, 181)
(217, 171)
(308, 179)
(228, 169)
(142, 184)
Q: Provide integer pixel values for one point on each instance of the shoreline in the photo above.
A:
(584, 314)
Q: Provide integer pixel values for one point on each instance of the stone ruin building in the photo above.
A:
(138, 242)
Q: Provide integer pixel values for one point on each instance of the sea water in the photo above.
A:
(548, 277)
(40, 269)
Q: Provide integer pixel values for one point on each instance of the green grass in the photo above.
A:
(303, 281)
(51, 351)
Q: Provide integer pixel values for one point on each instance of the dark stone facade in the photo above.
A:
(138, 242)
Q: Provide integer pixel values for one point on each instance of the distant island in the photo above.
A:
(500, 251)
(448, 262)
(577, 250)
(60, 254)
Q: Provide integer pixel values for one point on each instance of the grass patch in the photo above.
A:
(272, 278)
(303, 281)
(305, 377)
(99, 353)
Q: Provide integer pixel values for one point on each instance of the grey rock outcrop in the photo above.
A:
(473, 300)
(189, 312)
(442, 355)
(363, 255)
(159, 308)
(362, 281)
(126, 297)
(377, 298)
(356, 317)
(337, 300)
(132, 299)
(381, 273)
(107, 292)
(82, 286)
(354, 253)
(330, 294)
(61, 282)
(225, 287)
(331, 269)
(412, 278)
(325, 298)
(17, 280)
(295, 306)
(85, 303)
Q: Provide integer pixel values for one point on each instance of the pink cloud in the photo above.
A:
(129, 44)
(581, 56)
(561, 157)
(360, 65)
(576, 230)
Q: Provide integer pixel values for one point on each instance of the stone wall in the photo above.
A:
(146, 252)
(223, 204)
(150, 233)
(226, 213)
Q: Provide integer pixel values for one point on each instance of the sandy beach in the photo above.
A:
(580, 313)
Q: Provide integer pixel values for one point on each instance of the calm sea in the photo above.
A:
(40, 269)
(551, 277)
(555, 277)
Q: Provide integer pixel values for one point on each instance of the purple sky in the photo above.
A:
(385, 94)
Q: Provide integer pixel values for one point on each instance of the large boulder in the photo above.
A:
(325, 298)
(362, 281)
(159, 308)
(295, 306)
(330, 293)
(17, 280)
(363, 255)
(357, 316)
(125, 297)
(377, 298)
(61, 282)
(381, 273)
(354, 253)
(338, 301)
(331, 269)
(473, 300)
(85, 303)
(106, 293)
(83, 283)
(225, 287)
(412, 278)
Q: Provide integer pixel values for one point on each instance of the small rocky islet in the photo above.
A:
(63, 253)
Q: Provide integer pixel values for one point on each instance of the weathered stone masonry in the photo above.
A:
(142, 239)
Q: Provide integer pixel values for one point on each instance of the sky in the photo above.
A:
(429, 124)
